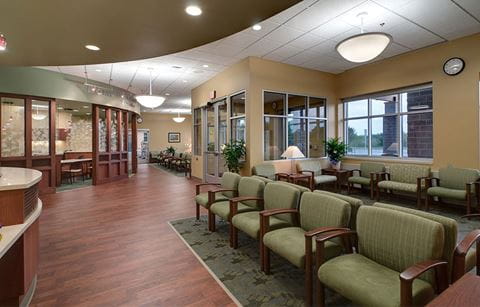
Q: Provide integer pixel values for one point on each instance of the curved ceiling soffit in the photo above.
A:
(54, 32)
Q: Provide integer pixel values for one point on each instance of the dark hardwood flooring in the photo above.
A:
(110, 245)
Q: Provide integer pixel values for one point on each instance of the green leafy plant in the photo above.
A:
(170, 150)
(234, 153)
(336, 150)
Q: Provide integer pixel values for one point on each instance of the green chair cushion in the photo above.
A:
(447, 193)
(408, 173)
(202, 199)
(222, 209)
(301, 188)
(253, 187)
(321, 210)
(355, 204)
(310, 165)
(230, 181)
(398, 240)
(457, 178)
(398, 186)
(450, 227)
(266, 170)
(249, 222)
(368, 283)
(265, 180)
(359, 180)
(289, 243)
(280, 195)
(371, 167)
(322, 179)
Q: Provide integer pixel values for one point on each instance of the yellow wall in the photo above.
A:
(161, 124)
(455, 99)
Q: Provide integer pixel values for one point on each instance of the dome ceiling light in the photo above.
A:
(3, 43)
(179, 119)
(364, 46)
(150, 101)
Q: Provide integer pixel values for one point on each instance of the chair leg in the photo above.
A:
(378, 193)
(211, 221)
(348, 188)
(428, 201)
(320, 293)
(308, 284)
(197, 211)
(419, 199)
(266, 257)
(371, 190)
(234, 241)
(469, 203)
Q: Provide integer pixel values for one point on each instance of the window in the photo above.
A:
(197, 132)
(237, 117)
(395, 124)
(13, 127)
(293, 120)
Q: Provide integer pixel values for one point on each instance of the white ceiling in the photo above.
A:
(304, 35)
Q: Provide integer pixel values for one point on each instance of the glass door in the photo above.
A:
(215, 136)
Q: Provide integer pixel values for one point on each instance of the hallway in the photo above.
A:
(111, 245)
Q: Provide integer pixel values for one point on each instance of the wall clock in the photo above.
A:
(139, 120)
(453, 66)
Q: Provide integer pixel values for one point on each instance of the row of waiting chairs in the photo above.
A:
(372, 255)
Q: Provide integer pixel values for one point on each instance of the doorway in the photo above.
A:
(215, 136)
(143, 145)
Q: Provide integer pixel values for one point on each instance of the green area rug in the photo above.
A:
(239, 270)
(77, 184)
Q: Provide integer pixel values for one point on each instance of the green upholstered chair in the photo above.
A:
(458, 262)
(318, 214)
(454, 183)
(247, 187)
(276, 196)
(264, 179)
(393, 251)
(408, 178)
(265, 170)
(355, 204)
(226, 189)
(314, 168)
(366, 176)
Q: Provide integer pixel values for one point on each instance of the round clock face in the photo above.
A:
(139, 120)
(453, 66)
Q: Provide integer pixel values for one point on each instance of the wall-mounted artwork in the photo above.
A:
(174, 137)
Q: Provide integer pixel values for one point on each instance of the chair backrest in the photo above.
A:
(371, 167)
(187, 156)
(408, 173)
(354, 203)
(310, 165)
(230, 181)
(450, 228)
(266, 180)
(318, 210)
(398, 240)
(249, 186)
(281, 196)
(456, 178)
(266, 170)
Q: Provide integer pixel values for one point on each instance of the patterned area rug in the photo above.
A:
(239, 270)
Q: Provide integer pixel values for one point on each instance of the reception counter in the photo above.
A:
(20, 209)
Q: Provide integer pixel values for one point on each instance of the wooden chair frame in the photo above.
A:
(468, 187)
(385, 176)
(406, 277)
(372, 182)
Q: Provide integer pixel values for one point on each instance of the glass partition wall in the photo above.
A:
(40, 133)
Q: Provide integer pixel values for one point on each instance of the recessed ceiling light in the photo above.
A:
(184, 81)
(257, 27)
(86, 107)
(205, 66)
(193, 10)
(98, 70)
(167, 94)
(92, 47)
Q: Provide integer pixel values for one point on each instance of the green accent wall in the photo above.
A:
(44, 83)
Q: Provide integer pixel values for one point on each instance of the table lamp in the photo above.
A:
(292, 153)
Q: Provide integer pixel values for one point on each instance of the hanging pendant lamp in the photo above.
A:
(364, 46)
(38, 116)
(150, 101)
(178, 119)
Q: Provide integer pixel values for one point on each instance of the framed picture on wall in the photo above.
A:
(174, 137)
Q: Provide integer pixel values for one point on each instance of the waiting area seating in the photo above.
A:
(374, 255)
(178, 161)
(365, 176)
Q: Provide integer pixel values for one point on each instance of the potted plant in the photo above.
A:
(170, 150)
(336, 150)
(234, 154)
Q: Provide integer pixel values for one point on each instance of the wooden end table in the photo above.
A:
(463, 292)
(341, 174)
(295, 178)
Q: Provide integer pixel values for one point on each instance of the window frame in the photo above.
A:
(197, 147)
(399, 114)
(285, 117)
(234, 118)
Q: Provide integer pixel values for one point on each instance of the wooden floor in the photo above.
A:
(111, 246)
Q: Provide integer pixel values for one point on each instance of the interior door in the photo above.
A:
(215, 136)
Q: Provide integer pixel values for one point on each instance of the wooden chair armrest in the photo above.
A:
(382, 175)
(311, 172)
(221, 190)
(277, 175)
(348, 236)
(411, 273)
(199, 185)
(272, 212)
(350, 172)
(459, 256)
(212, 194)
(321, 230)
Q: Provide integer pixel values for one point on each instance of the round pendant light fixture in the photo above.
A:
(150, 101)
(39, 116)
(364, 46)
(179, 119)
(3, 43)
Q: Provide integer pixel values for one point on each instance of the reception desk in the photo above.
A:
(20, 209)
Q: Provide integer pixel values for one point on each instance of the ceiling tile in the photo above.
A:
(307, 41)
(267, 27)
(332, 29)
(260, 48)
(284, 34)
(472, 6)
(283, 52)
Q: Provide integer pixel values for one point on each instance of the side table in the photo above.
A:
(342, 176)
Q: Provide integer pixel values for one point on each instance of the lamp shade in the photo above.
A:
(150, 101)
(292, 152)
(363, 47)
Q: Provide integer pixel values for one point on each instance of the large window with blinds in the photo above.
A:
(397, 124)
(293, 120)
